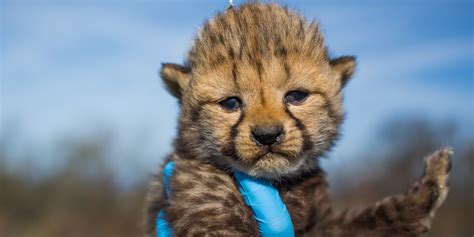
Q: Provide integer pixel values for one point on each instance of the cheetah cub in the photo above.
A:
(259, 94)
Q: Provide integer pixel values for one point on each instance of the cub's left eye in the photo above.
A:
(295, 97)
(231, 104)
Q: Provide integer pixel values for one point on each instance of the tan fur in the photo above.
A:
(259, 53)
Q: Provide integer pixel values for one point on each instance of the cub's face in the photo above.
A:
(266, 115)
(267, 120)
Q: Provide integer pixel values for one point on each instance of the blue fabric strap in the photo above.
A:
(163, 228)
(269, 211)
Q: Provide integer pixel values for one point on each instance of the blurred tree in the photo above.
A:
(84, 198)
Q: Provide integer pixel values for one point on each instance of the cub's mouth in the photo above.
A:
(272, 152)
(269, 153)
(269, 166)
(269, 163)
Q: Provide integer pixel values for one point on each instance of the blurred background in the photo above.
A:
(85, 121)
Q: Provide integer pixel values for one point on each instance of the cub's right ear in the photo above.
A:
(175, 77)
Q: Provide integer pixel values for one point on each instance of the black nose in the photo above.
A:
(267, 135)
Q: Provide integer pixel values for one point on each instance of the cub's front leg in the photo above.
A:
(407, 214)
(205, 201)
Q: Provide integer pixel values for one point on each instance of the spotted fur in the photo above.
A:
(259, 53)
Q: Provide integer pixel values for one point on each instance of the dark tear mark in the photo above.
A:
(230, 150)
(331, 112)
(307, 144)
(329, 107)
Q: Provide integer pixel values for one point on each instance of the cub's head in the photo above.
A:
(258, 92)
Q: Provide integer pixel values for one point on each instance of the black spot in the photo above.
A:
(221, 39)
(287, 69)
(371, 222)
(433, 195)
(416, 188)
(381, 212)
(183, 148)
(213, 38)
(367, 219)
(450, 164)
(262, 97)
(219, 59)
(281, 51)
(196, 112)
(231, 52)
(259, 66)
(398, 206)
(234, 72)
(301, 29)
(241, 49)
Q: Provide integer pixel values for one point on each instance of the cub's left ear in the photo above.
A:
(343, 67)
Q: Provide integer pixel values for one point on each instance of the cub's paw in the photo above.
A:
(437, 169)
(410, 213)
(429, 193)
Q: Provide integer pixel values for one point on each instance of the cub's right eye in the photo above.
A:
(231, 104)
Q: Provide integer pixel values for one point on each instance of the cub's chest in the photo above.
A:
(306, 200)
(202, 189)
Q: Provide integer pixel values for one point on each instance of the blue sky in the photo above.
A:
(68, 67)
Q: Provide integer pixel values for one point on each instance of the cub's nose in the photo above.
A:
(267, 135)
